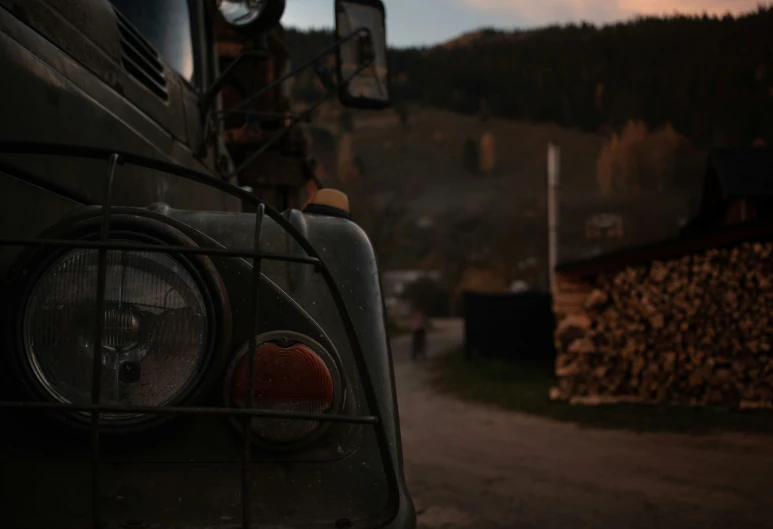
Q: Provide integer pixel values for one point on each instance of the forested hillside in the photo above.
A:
(710, 78)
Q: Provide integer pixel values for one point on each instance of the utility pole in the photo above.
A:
(554, 172)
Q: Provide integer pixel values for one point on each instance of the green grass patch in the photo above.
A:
(524, 387)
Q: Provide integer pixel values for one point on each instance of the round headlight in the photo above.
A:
(154, 342)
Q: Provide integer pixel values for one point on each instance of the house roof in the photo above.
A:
(668, 249)
(732, 174)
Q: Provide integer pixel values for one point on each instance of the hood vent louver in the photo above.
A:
(140, 59)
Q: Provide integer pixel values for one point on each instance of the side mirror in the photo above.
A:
(253, 16)
(362, 59)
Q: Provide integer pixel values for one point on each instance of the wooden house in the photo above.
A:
(738, 188)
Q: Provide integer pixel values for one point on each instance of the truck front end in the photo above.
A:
(172, 364)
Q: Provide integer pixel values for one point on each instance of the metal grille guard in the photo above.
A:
(116, 158)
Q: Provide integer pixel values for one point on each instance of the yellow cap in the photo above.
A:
(332, 198)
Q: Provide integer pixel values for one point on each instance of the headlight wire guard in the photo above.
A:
(143, 230)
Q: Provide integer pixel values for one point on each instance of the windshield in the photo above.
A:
(167, 26)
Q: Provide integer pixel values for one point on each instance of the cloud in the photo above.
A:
(717, 7)
(552, 11)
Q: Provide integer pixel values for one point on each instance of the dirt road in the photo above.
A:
(470, 466)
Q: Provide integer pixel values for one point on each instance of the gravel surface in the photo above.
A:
(470, 466)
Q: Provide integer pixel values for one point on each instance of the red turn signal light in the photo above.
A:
(293, 378)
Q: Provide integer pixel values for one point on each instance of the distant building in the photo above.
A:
(601, 225)
(738, 188)
(604, 225)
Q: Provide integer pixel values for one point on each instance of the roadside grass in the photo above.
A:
(524, 387)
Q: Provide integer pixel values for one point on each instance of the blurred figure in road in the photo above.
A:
(419, 327)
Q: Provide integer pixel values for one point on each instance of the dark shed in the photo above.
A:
(510, 325)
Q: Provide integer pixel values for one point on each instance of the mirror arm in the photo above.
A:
(295, 71)
(208, 97)
(297, 119)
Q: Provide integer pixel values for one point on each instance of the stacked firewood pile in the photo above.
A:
(696, 330)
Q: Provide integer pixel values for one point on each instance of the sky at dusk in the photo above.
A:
(426, 22)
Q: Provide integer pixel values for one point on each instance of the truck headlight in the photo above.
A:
(156, 329)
